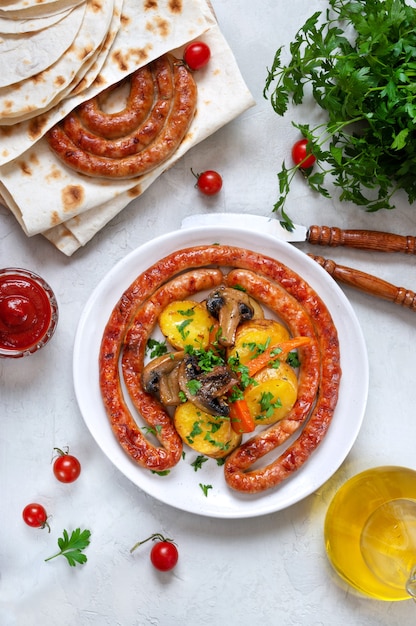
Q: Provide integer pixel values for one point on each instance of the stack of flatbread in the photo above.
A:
(57, 54)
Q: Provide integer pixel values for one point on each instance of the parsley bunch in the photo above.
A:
(359, 65)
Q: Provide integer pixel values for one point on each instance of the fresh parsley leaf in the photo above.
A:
(71, 547)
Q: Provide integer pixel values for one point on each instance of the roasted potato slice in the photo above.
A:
(207, 434)
(275, 394)
(185, 322)
(254, 335)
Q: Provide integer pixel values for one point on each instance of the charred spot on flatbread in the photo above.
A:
(72, 196)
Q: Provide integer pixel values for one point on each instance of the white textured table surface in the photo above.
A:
(271, 569)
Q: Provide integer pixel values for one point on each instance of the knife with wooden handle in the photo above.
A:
(327, 236)
(319, 235)
(367, 283)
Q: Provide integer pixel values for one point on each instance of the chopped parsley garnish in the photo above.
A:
(194, 386)
(152, 431)
(206, 359)
(155, 348)
(205, 488)
(187, 312)
(267, 406)
(197, 464)
(196, 430)
(257, 348)
(293, 359)
(181, 328)
(242, 370)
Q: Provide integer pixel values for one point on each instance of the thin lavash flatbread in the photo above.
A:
(18, 26)
(131, 49)
(89, 71)
(24, 55)
(28, 9)
(222, 96)
(26, 98)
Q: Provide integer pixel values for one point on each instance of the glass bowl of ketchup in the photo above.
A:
(28, 312)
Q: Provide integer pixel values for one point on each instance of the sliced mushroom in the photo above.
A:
(207, 390)
(231, 307)
(161, 377)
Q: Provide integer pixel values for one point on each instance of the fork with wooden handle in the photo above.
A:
(368, 283)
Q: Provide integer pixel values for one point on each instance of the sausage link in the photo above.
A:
(93, 138)
(124, 425)
(237, 466)
(156, 149)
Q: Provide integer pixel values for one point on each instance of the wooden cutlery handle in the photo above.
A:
(364, 239)
(368, 283)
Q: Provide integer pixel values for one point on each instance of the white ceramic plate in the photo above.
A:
(181, 487)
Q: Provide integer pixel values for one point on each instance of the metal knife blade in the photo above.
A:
(258, 223)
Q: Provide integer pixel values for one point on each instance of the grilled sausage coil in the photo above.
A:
(159, 110)
(133, 347)
(271, 283)
(325, 363)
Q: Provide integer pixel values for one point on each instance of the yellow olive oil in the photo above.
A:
(358, 531)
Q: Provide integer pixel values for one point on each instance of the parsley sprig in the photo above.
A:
(71, 547)
(358, 63)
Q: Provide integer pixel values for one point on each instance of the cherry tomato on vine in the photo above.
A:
(35, 515)
(209, 182)
(66, 467)
(196, 55)
(301, 156)
(164, 554)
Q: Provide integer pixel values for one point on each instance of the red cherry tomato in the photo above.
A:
(301, 156)
(34, 515)
(66, 467)
(196, 55)
(209, 182)
(164, 555)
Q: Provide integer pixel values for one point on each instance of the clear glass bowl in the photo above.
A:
(28, 312)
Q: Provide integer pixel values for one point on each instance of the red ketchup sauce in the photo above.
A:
(28, 312)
